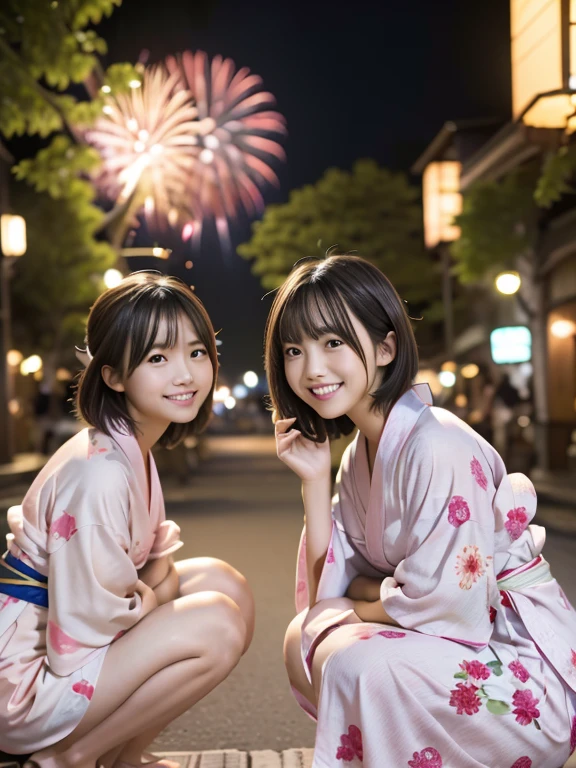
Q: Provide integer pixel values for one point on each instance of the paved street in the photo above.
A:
(243, 506)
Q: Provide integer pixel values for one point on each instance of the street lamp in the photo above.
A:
(112, 278)
(12, 245)
(508, 283)
(250, 379)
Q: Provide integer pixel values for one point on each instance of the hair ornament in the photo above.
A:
(83, 355)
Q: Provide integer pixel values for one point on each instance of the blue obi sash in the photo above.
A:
(22, 582)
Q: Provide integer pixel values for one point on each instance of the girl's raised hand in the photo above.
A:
(309, 460)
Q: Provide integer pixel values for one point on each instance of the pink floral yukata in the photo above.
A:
(480, 673)
(88, 525)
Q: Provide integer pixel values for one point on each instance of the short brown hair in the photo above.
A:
(314, 301)
(128, 316)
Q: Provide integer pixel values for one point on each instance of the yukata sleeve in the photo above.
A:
(91, 578)
(443, 585)
(167, 540)
(343, 560)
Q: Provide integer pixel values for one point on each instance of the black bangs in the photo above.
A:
(316, 309)
(149, 310)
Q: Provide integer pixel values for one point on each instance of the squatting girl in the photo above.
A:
(431, 632)
(104, 640)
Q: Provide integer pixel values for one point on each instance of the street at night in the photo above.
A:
(232, 237)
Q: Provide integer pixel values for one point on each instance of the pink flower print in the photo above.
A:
(458, 511)
(573, 657)
(330, 556)
(476, 669)
(301, 588)
(351, 745)
(517, 522)
(478, 472)
(391, 634)
(84, 689)
(428, 758)
(63, 527)
(519, 670)
(7, 599)
(573, 735)
(464, 698)
(60, 641)
(526, 709)
(523, 762)
(469, 566)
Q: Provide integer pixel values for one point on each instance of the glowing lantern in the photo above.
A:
(442, 201)
(32, 364)
(543, 47)
(563, 329)
(13, 235)
(470, 371)
(14, 358)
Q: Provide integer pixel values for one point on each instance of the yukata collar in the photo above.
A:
(399, 424)
(129, 446)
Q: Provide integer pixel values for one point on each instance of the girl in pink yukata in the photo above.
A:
(430, 631)
(104, 640)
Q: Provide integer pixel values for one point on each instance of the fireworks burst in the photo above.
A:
(193, 142)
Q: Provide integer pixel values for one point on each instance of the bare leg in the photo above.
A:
(157, 670)
(195, 575)
(293, 659)
(208, 573)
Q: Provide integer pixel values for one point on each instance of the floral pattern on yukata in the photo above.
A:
(64, 527)
(350, 745)
(5, 601)
(60, 641)
(517, 522)
(428, 758)
(458, 511)
(478, 473)
(469, 566)
(523, 762)
(469, 696)
(573, 735)
(390, 634)
(519, 670)
(84, 688)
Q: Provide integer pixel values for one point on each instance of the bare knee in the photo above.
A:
(292, 650)
(220, 576)
(222, 626)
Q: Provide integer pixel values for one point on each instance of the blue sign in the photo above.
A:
(511, 345)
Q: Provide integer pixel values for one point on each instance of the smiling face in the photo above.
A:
(171, 382)
(329, 376)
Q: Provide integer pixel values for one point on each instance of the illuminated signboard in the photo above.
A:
(511, 345)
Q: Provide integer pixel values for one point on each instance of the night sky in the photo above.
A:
(353, 80)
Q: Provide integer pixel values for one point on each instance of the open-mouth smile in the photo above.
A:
(183, 398)
(326, 391)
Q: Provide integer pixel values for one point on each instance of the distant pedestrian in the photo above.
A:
(431, 632)
(103, 639)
